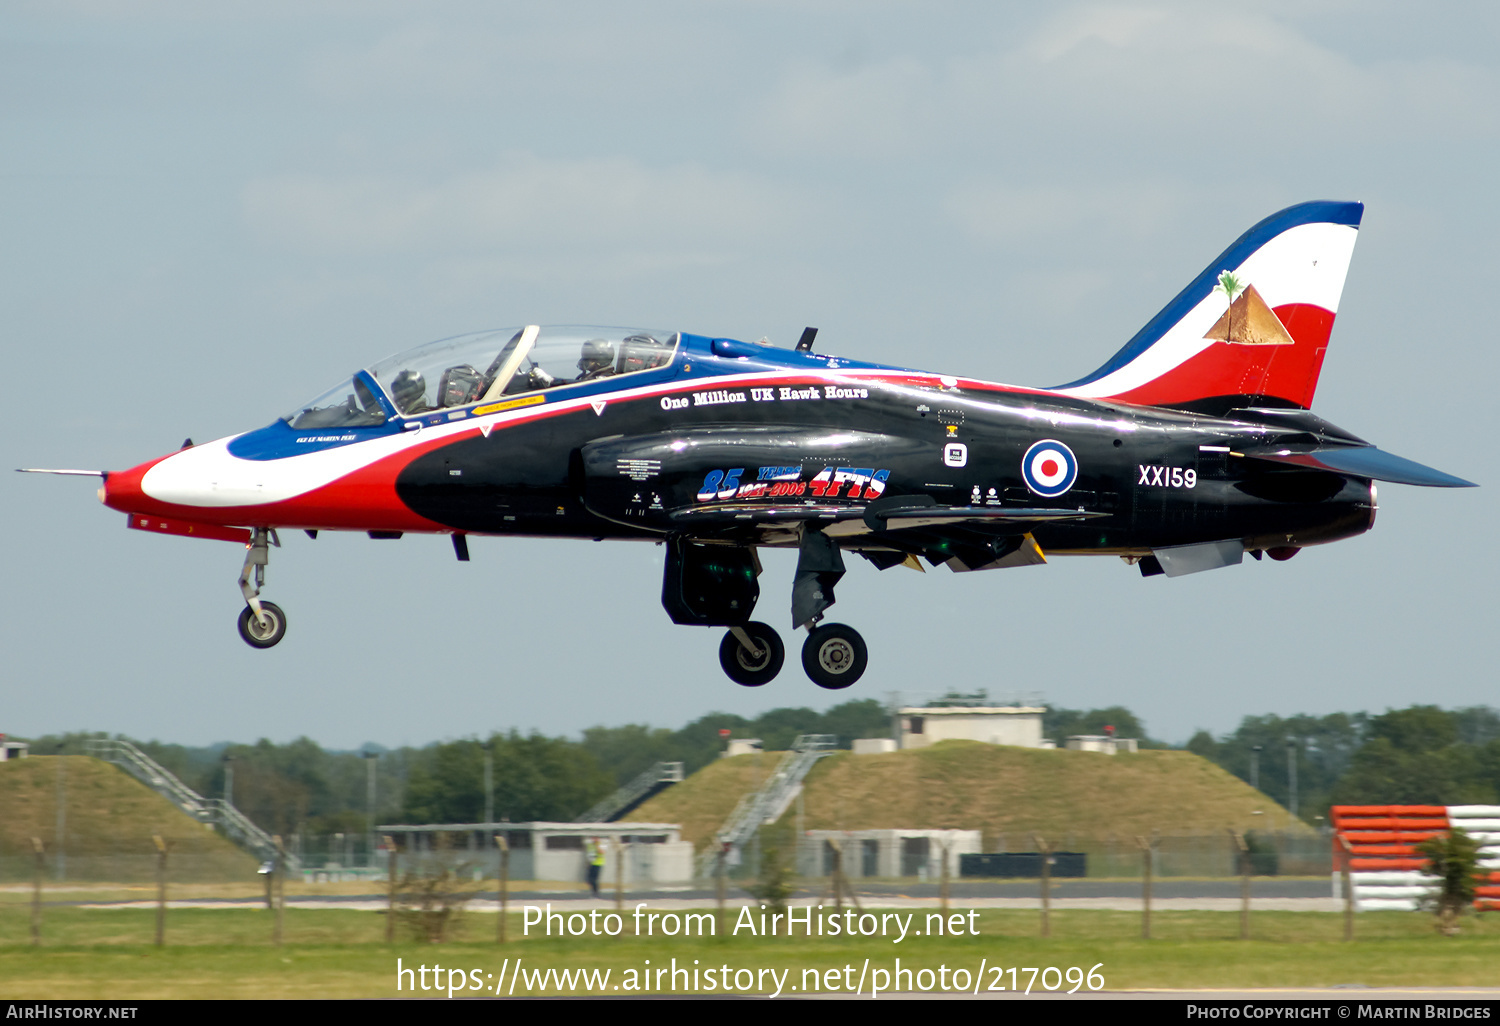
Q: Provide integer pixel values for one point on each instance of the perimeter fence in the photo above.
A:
(1271, 853)
(347, 857)
(335, 858)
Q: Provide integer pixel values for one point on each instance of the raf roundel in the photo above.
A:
(1050, 468)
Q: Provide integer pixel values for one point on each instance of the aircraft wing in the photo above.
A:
(1364, 461)
(760, 513)
(962, 538)
(876, 517)
(909, 517)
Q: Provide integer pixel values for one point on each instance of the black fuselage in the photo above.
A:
(642, 465)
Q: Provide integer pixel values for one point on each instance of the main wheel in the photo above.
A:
(263, 633)
(834, 656)
(743, 666)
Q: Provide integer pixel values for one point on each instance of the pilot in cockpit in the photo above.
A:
(597, 361)
(409, 390)
(642, 352)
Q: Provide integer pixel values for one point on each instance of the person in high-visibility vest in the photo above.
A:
(593, 848)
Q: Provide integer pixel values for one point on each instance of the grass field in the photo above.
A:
(213, 953)
(109, 953)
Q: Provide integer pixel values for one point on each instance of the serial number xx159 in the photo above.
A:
(1167, 477)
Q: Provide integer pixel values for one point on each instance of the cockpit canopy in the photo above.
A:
(485, 366)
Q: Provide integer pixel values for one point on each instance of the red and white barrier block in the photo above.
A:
(1384, 867)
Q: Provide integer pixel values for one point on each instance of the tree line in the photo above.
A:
(300, 787)
(1420, 755)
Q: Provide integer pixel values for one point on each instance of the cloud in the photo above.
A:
(525, 205)
(996, 212)
(420, 60)
(879, 108)
(225, 12)
(501, 56)
(1163, 80)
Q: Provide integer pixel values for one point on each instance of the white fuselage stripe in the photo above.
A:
(210, 476)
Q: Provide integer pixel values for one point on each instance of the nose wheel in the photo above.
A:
(262, 624)
(834, 656)
(752, 655)
(264, 630)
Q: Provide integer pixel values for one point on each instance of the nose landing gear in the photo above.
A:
(264, 630)
(262, 624)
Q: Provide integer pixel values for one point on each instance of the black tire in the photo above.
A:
(834, 656)
(263, 635)
(744, 669)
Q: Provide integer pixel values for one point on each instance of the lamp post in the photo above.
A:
(60, 862)
(370, 760)
(228, 779)
(489, 781)
(1291, 773)
(1255, 766)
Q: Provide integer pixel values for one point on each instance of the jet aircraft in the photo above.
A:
(1191, 446)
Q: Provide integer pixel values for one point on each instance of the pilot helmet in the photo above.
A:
(408, 390)
(597, 355)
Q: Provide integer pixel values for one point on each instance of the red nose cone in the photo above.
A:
(122, 489)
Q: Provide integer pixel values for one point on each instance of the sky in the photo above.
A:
(212, 213)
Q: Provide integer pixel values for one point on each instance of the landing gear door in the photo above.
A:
(709, 585)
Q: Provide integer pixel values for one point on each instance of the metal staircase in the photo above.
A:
(767, 804)
(216, 812)
(648, 784)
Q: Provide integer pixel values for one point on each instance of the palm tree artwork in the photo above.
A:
(1231, 287)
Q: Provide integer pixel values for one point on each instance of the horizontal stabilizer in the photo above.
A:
(1366, 461)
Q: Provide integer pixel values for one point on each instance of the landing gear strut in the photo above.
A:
(834, 655)
(752, 655)
(262, 624)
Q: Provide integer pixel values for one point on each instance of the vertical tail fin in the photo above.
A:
(1251, 329)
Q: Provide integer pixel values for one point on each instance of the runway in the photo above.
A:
(1297, 895)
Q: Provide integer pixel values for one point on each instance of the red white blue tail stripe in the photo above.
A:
(1296, 262)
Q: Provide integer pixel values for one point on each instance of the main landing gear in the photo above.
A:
(752, 655)
(834, 655)
(713, 584)
(262, 624)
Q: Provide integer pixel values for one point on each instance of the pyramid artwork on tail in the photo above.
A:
(1249, 321)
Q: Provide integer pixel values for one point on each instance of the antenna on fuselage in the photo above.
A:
(804, 344)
